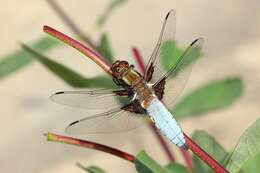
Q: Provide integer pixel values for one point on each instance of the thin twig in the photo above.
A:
(138, 58)
(88, 144)
(163, 143)
(69, 22)
(196, 149)
(79, 46)
(187, 157)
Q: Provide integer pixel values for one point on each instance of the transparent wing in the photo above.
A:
(174, 87)
(177, 75)
(153, 69)
(114, 120)
(95, 99)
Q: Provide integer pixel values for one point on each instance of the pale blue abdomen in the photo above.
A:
(165, 121)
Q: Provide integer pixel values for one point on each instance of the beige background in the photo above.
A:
(232, 33)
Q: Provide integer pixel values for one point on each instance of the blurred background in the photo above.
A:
(232, 42)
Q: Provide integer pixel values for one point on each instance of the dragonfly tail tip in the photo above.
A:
(184, 147)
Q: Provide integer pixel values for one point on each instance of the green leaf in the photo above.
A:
(108, 11)
(246, 149)
(252, 164)
(214, 95)
(211, 146)
(104, 48)
(91, 169)
(176, 168)
(18, 59)
(69, 76)
(145, 164)
(170, 54)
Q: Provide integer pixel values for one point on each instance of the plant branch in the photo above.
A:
(217, 167)
(187, 157)
(94, 56)
(138, 59)
(163, 143)
(88, 144)
(196, 149)
(69, 22)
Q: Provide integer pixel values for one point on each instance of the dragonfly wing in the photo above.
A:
(176, 77)
(153, 70)
(114, 120)
(95, 99)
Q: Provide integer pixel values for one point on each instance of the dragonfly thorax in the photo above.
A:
(126, 76)
(144, 93)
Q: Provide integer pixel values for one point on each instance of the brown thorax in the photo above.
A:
(125, 75)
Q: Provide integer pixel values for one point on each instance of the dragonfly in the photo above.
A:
(138, 97)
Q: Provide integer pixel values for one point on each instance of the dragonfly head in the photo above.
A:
(119, 69)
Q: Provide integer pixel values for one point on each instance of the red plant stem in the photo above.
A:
(163, 143)
(69, 22)
(138, 58)
(217, 167)
(103, 64)
(92, 145)
(187, 157)
(195, 148)
(79, 46)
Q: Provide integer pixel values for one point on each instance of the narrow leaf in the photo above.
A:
(145, 164)
(247, 148)
(108, 11)
(104, 48)
(19, 59)
(69, 76)
(91, 169)
(214, 95)
(176, 168)
(211, 146)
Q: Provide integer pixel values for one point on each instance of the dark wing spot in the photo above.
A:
(61, 92)
(166, 17)
(75, 122)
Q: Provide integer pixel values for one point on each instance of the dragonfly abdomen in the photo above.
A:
(165, 121)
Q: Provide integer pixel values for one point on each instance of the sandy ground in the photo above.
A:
(231, 30)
